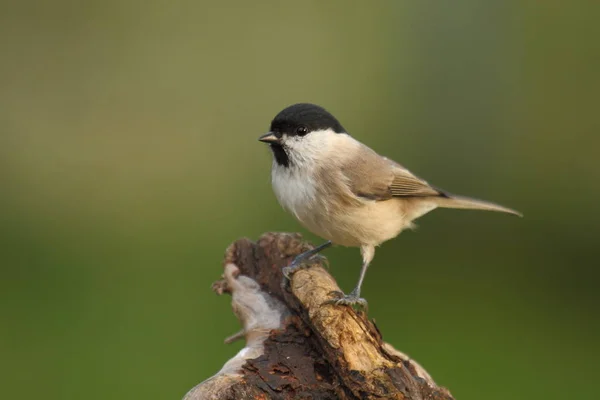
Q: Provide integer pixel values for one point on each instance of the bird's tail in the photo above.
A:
(453, 201)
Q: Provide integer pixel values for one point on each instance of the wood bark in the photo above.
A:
(297, 345)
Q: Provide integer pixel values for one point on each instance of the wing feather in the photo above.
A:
(378, 178)
(405, 184)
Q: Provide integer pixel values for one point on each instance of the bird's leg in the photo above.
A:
(354, 299)
(299, 261)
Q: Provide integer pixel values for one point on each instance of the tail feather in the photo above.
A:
(453, 201)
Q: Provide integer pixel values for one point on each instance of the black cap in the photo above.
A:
(302, 118)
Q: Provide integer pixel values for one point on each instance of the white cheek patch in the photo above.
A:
(306, 151)
(295, 185)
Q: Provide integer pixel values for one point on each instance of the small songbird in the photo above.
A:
(343, 191)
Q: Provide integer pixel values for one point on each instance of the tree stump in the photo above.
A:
(297, 346)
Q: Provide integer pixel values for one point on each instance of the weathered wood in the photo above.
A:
(297, 345)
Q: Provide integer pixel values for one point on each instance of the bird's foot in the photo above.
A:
(320, 259)
(301, 263)
(353, 300)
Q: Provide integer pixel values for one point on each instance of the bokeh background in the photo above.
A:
(129, 162)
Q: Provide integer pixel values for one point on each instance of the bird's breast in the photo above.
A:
(310, 198)
(295, 190)
(325, 206)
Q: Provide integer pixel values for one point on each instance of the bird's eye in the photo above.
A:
(301, 130)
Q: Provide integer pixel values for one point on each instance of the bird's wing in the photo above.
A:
(378, 178)
(405, 184)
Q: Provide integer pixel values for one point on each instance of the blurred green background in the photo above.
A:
(129, 162)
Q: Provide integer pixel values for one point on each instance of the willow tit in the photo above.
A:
(345, 192)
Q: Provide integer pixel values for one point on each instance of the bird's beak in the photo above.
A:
(269, 138)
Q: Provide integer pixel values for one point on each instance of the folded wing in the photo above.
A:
(379, 178)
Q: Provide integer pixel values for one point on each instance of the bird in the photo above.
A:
(343, 191)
